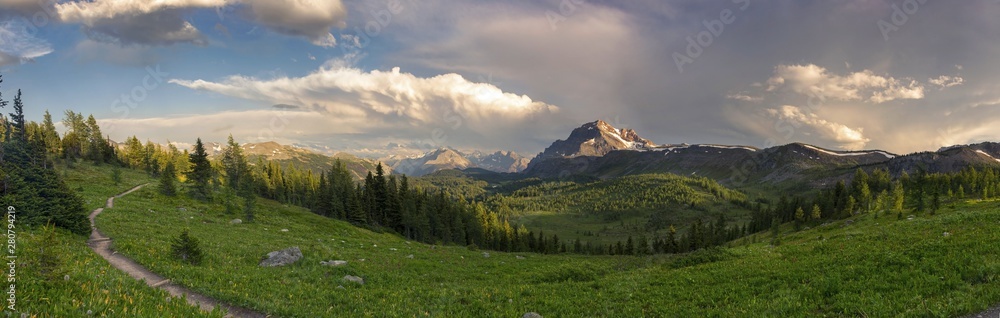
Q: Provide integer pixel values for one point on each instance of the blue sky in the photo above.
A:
(901, 76)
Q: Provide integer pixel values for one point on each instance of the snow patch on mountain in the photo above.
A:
(988, 155)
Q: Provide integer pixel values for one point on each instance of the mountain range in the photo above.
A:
(599, 150)
(299, 157)
(448, 158)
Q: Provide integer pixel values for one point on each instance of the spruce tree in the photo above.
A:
(185, 248)
(200, 173)
(168, 179)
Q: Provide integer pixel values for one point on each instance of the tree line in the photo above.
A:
(28, 180)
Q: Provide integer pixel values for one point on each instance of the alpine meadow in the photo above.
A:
(557, 158)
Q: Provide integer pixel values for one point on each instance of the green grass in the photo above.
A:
(609, 211)
(95, 183)
(879, 268)
(92, 284)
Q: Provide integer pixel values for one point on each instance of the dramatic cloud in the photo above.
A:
(164, 22)
(813, 80)
(394, 103)
(842, 135)
(311, 19)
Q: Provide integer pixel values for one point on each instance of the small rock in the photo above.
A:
(486, 255)
(182, 209)
(333, 263)
(910, 217)
(90, 312)
(66, 277)
(392, 248)
(355, 279)
(284, 230)
(946, 234)
(531, 315)
(282, 257)
(374, 245)
(150, 211)
(519, 257)
(340, 287)
(409, 256)
(236, 221)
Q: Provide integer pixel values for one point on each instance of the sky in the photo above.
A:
(380, 77)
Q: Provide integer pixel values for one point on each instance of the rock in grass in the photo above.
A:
(486, 255)
(236, 221)
(531, 315)
(282, 257)
(333, 263)
(355, 279)
(519, 257)
(409, 256)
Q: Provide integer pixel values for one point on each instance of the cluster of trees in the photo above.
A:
(878, 193)
(28, 180)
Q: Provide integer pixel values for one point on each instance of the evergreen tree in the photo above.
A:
(642, 246)
(50, 135)
(234, 164)
(201, 172)
(817, 213)
(167, 180)
(186, 249)
(17, 119)
(629, 247)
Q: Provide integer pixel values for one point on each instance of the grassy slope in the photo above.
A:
(874, 267)
(572, 210)
(93, 284)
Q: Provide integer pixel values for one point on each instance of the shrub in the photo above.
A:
(185, 248)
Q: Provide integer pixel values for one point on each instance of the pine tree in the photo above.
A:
(185, 248)
(50, 135)
(233, 163)
(817, 213)
(629, 247)
(96, 147)
(642, 246)
(167, 180)
(201, 172)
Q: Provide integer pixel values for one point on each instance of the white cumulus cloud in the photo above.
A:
(395, 103)
(844, 136)
(813, 80)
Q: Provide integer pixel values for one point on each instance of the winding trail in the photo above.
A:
(989, 313)
(101, 244)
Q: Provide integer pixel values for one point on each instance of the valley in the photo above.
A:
(532, 159)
